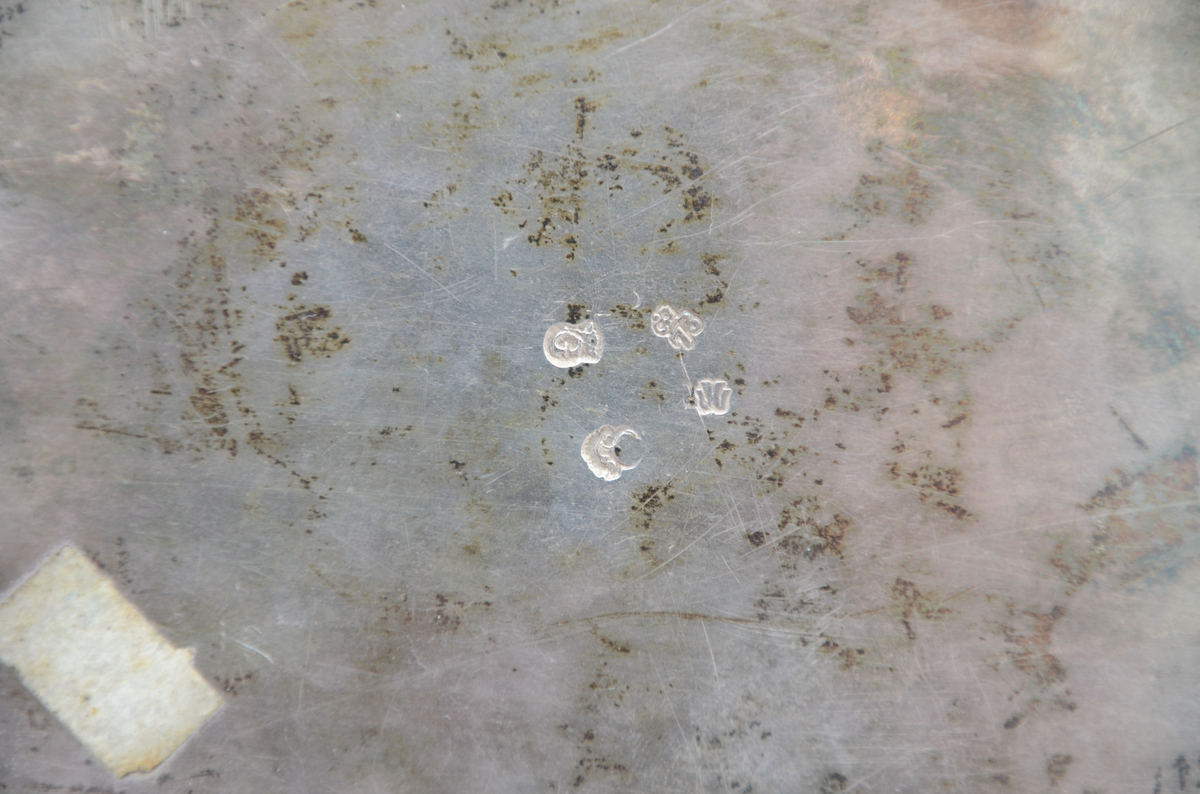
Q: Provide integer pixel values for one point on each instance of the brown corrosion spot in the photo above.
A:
(1029, 643)
(805, 535)
(872, 309)
(647, 502)
(307, 332)
(1139, 514)
(937, 486)
(636, 317)
(257, 215)
(697, 203)
(939, 313)
(849, 657)
(909, 603)
(207, 403)
(905, 189)
(582, 108)
(1056, 767)
(893, 270)
(593, 43)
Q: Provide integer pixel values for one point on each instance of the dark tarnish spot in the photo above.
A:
(604, 693)
(232, 236)
(849, 657)
(1182, 770)
(931, 353)
(646, 507)
(257, 215)
(897, 336)
(1028, 635)
(909, 603)
(560, 183)
(208, 404)
(665, 175)
(697, 204)
(939, 313)
(447, 616)
(567, 184)
(916, 194)
(647, 502)
(939, 486)
(873, 310)
(929, 350)
(796, 420)
(484, 54)
(833, 783)
(576, 312)
(619, 647)
(1056, 768)
(893, 270)
(305, 332)
(636, 317)
(355, 234)
(503, 200)
(904, 191)
(582, 108)
(807, 531)
(956, 421)
(1140, 518)
(593, 43)
(765, 453)
(710, 262)
(653, 391)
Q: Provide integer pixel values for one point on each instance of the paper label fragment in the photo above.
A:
(93, 660)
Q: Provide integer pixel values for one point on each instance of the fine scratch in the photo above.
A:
(423, 270)
(256, 650)
(661, 30)
(279, 50)
(1136, 438)
(304, 672)
(671, 705)
(1157, 134)
(711, 655)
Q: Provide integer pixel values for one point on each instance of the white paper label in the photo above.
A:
(91, 658)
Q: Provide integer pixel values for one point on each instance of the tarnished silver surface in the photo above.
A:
(276, 281)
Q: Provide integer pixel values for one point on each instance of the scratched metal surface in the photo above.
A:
(276, 278)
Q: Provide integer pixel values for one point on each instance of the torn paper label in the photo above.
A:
(93, 660)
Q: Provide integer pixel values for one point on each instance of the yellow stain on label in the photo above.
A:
(91, 658)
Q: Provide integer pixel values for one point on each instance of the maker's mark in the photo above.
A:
(603, 453)
(680, 329)
(712, 396)
(568, 345)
